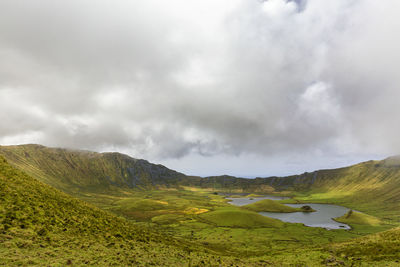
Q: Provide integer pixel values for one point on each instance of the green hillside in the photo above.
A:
(43, 226)
(372, 187)
(353, 217)
(76, 171)
(381, 249)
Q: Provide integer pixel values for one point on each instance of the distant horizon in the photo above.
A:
(222, 174)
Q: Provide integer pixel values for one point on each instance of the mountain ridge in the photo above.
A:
(87, 170)
(164, 194)
(77, 172)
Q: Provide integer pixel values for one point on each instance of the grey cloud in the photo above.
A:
(173, 79)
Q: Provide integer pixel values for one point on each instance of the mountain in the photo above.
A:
(72, 170)
(371, 185)
(40, 226)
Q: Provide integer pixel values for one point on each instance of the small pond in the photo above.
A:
(321, 218)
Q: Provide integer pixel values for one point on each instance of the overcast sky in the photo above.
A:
(207, 87)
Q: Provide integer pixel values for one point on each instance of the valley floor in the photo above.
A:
(205, 218)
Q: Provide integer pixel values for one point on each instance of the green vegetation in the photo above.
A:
(76, 172)
(371, 187)
(146, 214)
(381, 248)
(231, 217)
(353, 217)
(168, 219)
(236, 196)
(42, 226)
(269, 205)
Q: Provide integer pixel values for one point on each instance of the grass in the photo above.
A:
(76, 171)
(190, 224)
(40, 225)
(381, 248)
(43, 226)
(232, 217)
(269, 205)
(185, 216)
(353, 217)
(371, 187)
(168, 219)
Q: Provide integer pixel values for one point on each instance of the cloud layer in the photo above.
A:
(216, 79)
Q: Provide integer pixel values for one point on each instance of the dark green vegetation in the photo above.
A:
(186, 214)
(269, 205)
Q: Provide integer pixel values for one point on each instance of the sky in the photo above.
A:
(206, 87)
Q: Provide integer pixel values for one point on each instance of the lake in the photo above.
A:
(321, 218)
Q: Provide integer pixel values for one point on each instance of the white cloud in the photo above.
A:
(279, 8)
(317, 102)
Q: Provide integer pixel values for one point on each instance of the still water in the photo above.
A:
(321, 218)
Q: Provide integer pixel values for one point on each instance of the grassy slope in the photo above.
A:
(353, 217)
(381, 249)
(269, 205)
(232, 217)
(84, 171)
(42, 226)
